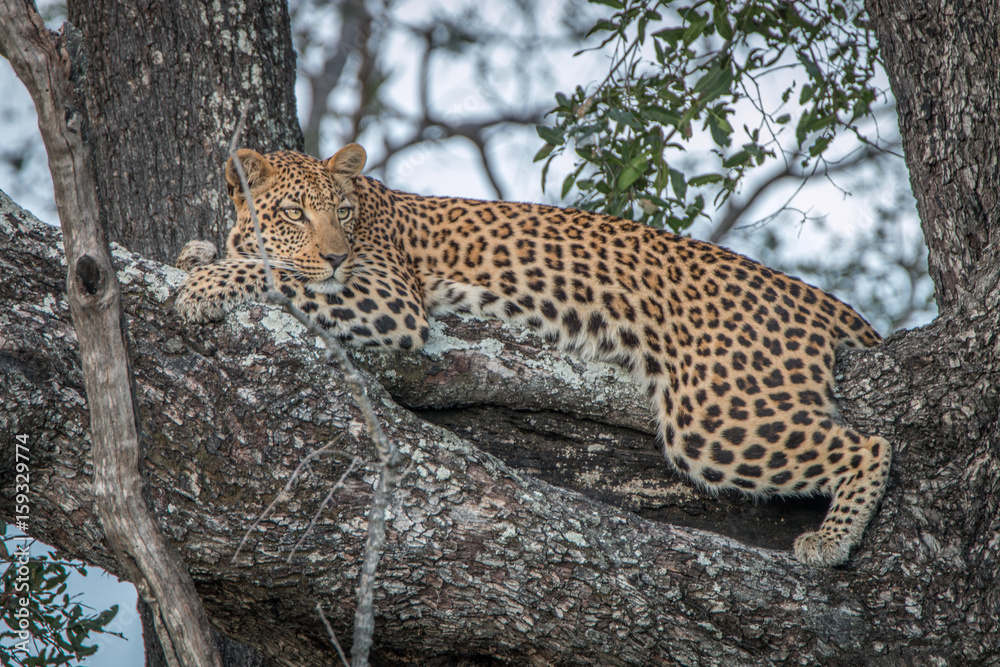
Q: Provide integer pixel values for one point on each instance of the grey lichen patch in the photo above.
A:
(280, 326)
(158, 281)
(593, 389)
(440, 343)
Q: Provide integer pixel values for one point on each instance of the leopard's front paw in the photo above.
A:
(195, 254)
(196, 302)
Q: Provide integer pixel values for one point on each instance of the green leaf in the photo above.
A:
(670, 35)
(661, 55)
(550, 135)
(602, 25)
(722, 24)
(783, 119)
(545, 172)
(802, 128)
(806, 94)
(543, 152)
(626, 118)
(820, 145)
(635, 169)
(812, 69)
(614, 4)
(716, 81)
(737, 159)
(569, 180)
(678, 184)
(756, 152)
(661, 115)
(719, 127)
(705, 179)
(697, 24)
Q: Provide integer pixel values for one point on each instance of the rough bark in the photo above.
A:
(484, 560)
(941, 61)
(183, 70)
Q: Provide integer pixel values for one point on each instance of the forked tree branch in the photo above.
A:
(483, 559)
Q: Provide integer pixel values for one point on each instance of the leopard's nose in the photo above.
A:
(335, 260)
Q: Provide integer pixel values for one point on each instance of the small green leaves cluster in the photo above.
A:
(678, 70)
(58, 624)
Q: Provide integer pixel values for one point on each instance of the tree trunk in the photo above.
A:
(941, 61)
(484, 561)
(164, 106)
(165, 87)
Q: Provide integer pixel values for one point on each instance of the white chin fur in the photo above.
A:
(328, 286)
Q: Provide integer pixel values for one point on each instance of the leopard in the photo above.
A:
(735, 358)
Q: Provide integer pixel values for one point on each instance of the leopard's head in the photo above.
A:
(306, 208)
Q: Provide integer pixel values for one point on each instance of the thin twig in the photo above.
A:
(388, 453)
(333, 635)
(284, 491)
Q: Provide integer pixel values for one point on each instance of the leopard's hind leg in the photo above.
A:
(796, 453)
(857, 486)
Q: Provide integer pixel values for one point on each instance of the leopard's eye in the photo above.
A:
(344, 212)
(294, 213)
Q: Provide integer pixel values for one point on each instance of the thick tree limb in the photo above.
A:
(43, 60)
(483, 560)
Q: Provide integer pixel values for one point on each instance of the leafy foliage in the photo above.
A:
(681, 72)
(56, 622)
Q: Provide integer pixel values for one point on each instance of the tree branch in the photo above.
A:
(355, 29)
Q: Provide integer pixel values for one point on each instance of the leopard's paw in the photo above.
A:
(822, 549)
(196, 303)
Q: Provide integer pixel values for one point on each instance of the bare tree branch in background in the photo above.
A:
(358, 51)
(735, 209)
(355, 29)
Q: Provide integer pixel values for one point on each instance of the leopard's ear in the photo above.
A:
(348, 161)
(256, 167)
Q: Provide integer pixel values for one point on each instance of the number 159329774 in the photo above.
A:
(22, 481)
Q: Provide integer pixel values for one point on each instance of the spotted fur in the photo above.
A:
(736, 358)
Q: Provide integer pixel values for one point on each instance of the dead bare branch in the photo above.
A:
(389, 456)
